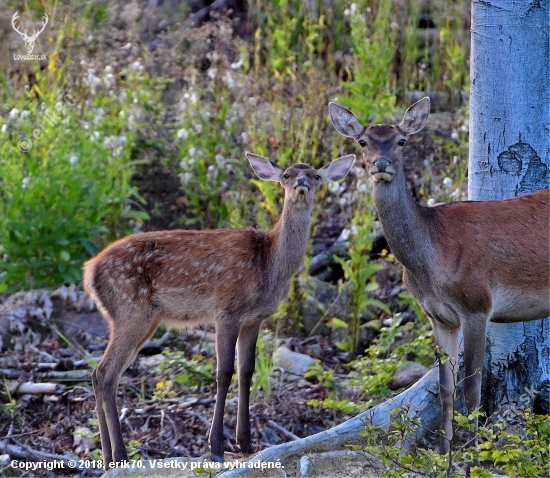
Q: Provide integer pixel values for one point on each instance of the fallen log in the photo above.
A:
(421, 400)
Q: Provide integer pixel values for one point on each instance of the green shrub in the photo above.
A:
(65, 171)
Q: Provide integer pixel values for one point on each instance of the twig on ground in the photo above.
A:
(283, 430)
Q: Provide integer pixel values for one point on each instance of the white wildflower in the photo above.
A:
(4, 128)
(211, 173)
(238, 64)
(25, 114)
(73, 159)
(334, 187)
(448, 182)
(108, 69)
(212, 73)
(136, 65)
(220, 160)
(244, 137)
(109, 80)
(431, 202)
(454, 135)
(198, 128)
(182, 133)
(25, 182)
(362, 187)
(14, 113)
(354, 229)
(115, 144)
(456, 194)
(185, 178)
(228, 81)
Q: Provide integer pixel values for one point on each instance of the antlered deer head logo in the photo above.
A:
(29, 40)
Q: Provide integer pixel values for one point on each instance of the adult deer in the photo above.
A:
(466, 263)
(234, 278)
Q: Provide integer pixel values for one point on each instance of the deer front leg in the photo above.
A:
(226, 339)
(246, 356)
(474, 354)
(447, 339)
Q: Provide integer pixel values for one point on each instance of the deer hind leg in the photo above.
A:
(226, 339)
(474, 355)
(447, 339)
(246, 356)
(126, 339)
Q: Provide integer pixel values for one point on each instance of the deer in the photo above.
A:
(466, 263)
(29, 40)
(232, 278)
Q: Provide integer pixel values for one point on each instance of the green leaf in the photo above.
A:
(337, 323)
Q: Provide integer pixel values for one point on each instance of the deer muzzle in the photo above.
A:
(301, 185)
(382, 169)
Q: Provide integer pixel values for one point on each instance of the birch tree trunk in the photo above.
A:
(509, 156)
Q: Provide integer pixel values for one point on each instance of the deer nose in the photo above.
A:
(382, 164)
(301, 182)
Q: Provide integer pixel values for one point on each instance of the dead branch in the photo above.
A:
(27, 453)
(283, 430)
(30, 388)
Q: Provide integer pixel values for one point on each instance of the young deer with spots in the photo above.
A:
(466, 263)
(233, 278)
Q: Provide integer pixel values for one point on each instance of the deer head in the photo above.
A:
(381, 143)
(29, 40)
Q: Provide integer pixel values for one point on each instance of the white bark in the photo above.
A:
(509, 156)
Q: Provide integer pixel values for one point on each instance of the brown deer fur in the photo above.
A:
(466, 263)
(233, 278)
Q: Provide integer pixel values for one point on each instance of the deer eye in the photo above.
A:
(362, 142)
(317, 177)
(401, 142)
(286, 176)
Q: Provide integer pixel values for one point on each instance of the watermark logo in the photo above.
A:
(29, 40)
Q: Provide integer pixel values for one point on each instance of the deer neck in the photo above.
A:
(290, 236)
(404, 224)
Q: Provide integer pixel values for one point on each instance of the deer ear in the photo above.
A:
(415, 117)
(264, 168)
(338, 169)
(345, 121)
